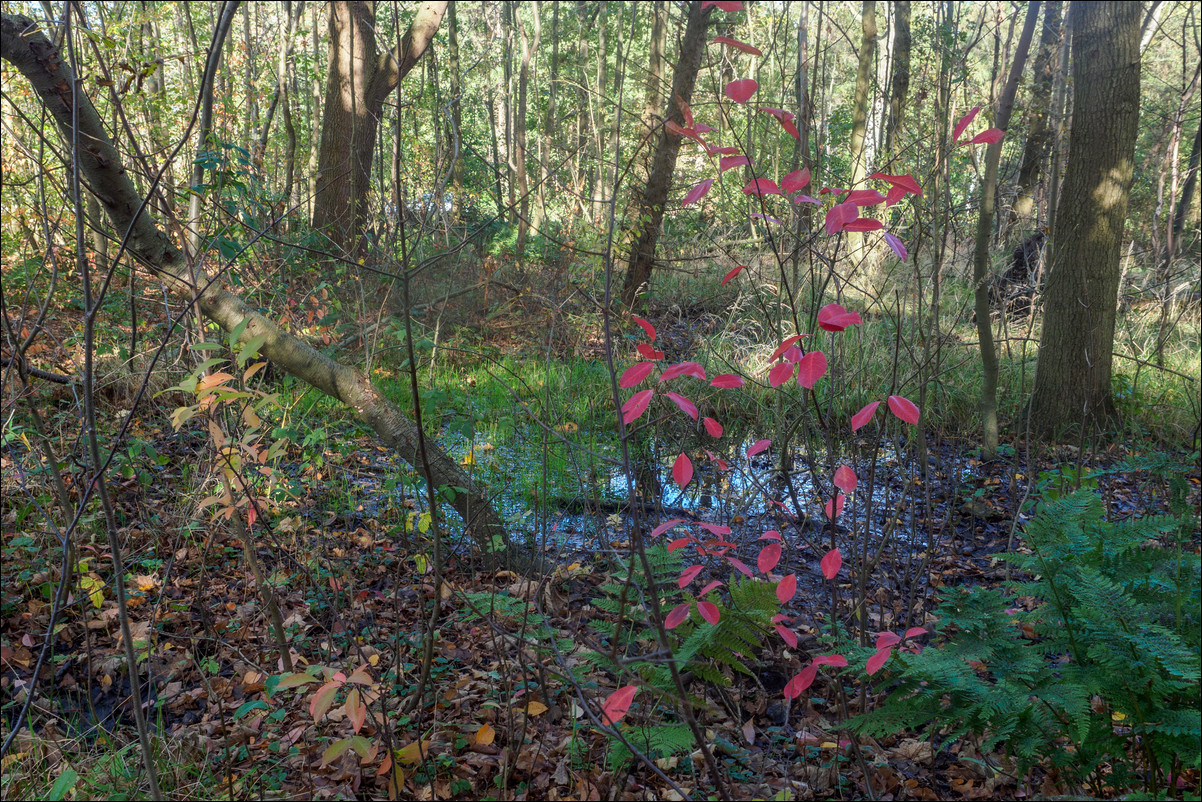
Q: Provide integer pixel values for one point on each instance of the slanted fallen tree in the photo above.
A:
(24, 46)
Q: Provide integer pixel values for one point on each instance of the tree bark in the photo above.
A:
(655, 193)
(100, 164)
(1038, 132)
(519, 124)
(359, 80)
(1072, 377)
(900, 85)
(859, 119)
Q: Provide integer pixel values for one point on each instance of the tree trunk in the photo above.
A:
(519, 124)
(980, 272)
(1038, 131)
(655, 193)
(1072, 377)
(456, 113)
(359, 80)
(900, 85)
(859, 119)
(1187, 190)
(100, 164)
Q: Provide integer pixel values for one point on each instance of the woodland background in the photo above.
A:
(337, 345)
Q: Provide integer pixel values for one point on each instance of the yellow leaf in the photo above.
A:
(485, 735)
(413, 752)
(373, 659)
(535, 708)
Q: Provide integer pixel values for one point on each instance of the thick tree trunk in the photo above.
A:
(900, 85)
(40, 62)
(519, 124)
(859, 118)
(1038, 131)
(1072, 378)
(655, 193)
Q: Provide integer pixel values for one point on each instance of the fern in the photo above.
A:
(654, 741)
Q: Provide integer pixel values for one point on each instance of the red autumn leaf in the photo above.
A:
(761, 186)
(685, 111)
(757, 447)
(834, 317)
(897, 245)
(831, 563)
(709, 611)
(736, 271)
(904, 182)
(864, 224)
(647, 327)
(861, 418)
(786, 589)
(896, 195)
(781, 372)
(688, 575)
(864, 197)
(877, 660)
(914, 632)
(785, 346)
(686, 406)
(737, 45)
(252, 512)
(779, 114)
(717, 583)
(791, 129)
(797, 686)
(635, 374)
(665, 526)
(904, 409)
(845, 479)
(740, 566)
(807, 199)
(963, 123)
(698, 192)
(759, 216)
(647, 351)
(618, 704)
(678, 616)
(635, 406)
(727, 381)
(811, 368)
(714, 529)
(887, 639)
(714, 150)
(769, 557)
(834, 507)
(836, 660)
(789, 636)
(724, 5)
(679, 543)
(796, 180)
(674, 127)
(989, 136)
(771, 534)
(713, 427)
(682, 471)
(839, 215)
(740, 91)
(684, 369)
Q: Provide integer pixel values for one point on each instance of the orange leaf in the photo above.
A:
(485, 735)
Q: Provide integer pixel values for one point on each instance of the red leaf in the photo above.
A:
(635, 374)
(732, 274)
(845, 479)
(904, 409)
(713, 427)
(896, 195)
(887, 639)
(730, 162)
(811, 368)
(685, 111)
(903, 182)
(724, 5)
(678, 616)
(796, 180)
(897, 245)
(679, 543)
(786, 589)
(836, 660)
(647, 327)
(989, 136)
(914, 632)
(737, 45)
(759, 216)
(839, 215)
(834, 317)
(864, 224)
(635, 406)
(710, 586)
(682, 471)
(771, 534)
(781, 372)
(861, 418)
(761, 186)
(785, 346)
(714, 529)
(797, 686)
(686, 406)
(864, 197)
(252, 512)
(684, 369)
(647, 351)
(807, 199)
(831, 564)
(757, 447)
(617, 705)
(834, 507)
(709, 611)
(789, 636)
(740, 566)
(791, 129)
(727, 381)
(769, 557)
(714, 150)
(740, 91)
(688, 575)
(877, 660)
(676, 128)
(698, 192)
(964, 122)
(779, 114)
(665, 526)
